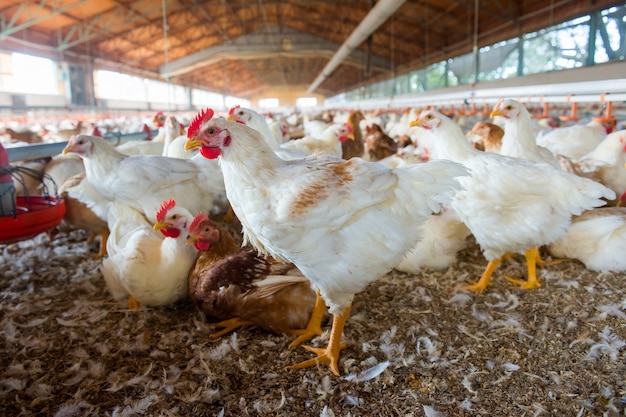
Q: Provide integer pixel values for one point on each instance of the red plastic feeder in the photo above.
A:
(35, 214)
(24, 217)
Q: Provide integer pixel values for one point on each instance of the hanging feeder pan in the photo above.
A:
(34, 215)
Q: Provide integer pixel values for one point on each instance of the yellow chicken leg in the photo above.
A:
(314, 327)
(133, 304)
(532, 257)
(103, 244)
(91, 238)
(330, 355)
(228, 326)
(485, 278)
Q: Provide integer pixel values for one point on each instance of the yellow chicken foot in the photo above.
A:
(543, 262)
(103, 244)
(133, 304)
(485, 278)
(228, 326)
(532, 256)
(314, 327)
(330, 355)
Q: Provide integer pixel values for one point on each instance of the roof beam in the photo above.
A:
(255, 46)
(106, 23)
(44, 11)
(376, 17)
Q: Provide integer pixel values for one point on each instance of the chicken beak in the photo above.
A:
(192, 143)
(496, 112)
(191, 239)
(160, 225)
(67, 149)
(350, 136)
(232, 118)
(415, 123)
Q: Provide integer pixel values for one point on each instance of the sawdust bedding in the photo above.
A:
(417, 345)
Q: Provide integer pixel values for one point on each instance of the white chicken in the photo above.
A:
(329, 142)
(443, 236)
(59, 169)
(152, 145)
(507, 203)
(144, 181)
(342, 223)
(519, 139)
(257, 122)
(175, 138)
(313, 126)
(606, 162)
(144, 266)
(597, 238)
(141, 147)
(573, 141)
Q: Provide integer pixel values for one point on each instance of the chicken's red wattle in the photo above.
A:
(171, 232)
(202, 245)
(210, 153)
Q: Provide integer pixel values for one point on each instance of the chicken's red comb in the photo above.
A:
(232, 109)
(200, 217)
(165, 207)
(197, 121)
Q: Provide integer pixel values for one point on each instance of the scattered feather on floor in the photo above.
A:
(418, 346)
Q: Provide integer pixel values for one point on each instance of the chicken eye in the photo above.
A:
(211, 131)
(174, 216)
(509, 107)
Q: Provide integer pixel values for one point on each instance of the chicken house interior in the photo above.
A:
(312, 208)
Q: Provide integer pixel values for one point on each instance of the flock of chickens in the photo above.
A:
(269, 223)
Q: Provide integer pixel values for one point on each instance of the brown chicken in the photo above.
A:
(66, 134)
(356, 147)
(378, 144)
(244, 288)
(79, 216)
(404, 141)
(490, 136)
(23, 136)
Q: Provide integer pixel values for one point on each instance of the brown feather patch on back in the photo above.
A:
(337, 176)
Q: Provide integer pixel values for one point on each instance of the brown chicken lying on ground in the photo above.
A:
(243, 288)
